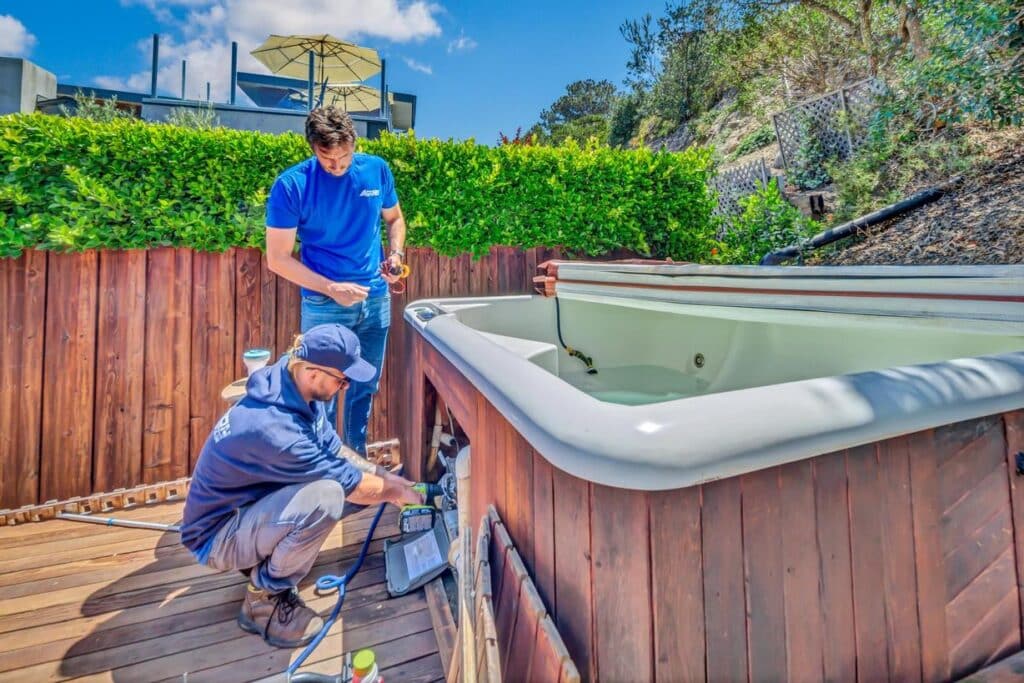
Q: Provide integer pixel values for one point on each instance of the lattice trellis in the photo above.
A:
(839, 120)
(736, 183)
(861, 103)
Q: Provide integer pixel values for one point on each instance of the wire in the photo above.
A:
(576, 353)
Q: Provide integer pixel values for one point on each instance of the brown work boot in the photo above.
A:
(282, 619)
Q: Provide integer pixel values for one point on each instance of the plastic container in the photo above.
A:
(255, 359)
(364, 668)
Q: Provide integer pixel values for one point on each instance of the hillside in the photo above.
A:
(980, 222)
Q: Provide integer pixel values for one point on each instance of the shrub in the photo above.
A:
(76, 184)
(976, 70)
(203, 117)
(462, 197)
(757, 139)
(768, 222)
(87, 107)
(895, 160)
(807, 170)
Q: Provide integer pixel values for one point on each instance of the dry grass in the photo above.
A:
(980, 222)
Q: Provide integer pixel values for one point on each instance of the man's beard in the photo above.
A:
(324, 396)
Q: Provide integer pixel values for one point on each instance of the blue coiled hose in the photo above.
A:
(328, 582)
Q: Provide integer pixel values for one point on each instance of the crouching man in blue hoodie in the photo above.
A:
(273, 479)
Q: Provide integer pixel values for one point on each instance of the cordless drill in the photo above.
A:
(414, 518)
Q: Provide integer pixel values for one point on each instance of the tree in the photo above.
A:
(581, 98)
(859, 20)
(975, 68)
(686, 87)
(642, 67)
(581, 113)
(675, 60)
(625, 119)
(910, 29)
(811, 52)
(581, 130)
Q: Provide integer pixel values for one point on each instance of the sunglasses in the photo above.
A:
(341, 379)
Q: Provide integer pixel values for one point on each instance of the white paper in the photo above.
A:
(422, 555)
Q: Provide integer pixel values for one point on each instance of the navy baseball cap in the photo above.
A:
(335, 346)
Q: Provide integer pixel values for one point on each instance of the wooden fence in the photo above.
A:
(112, 362)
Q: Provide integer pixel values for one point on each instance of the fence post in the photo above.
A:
(846, 123)
(782, 145)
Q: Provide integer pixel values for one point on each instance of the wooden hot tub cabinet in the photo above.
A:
(895, 560)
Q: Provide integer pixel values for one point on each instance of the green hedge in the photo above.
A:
(74, 184)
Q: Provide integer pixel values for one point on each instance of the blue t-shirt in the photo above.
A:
(337, 217)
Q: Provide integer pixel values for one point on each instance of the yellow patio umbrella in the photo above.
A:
(354, 97)
(336, 60)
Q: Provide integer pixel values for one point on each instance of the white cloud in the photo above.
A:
(462, 44)
(201, 31)
(155, 5)
(416, 66)
(253, 20)
(15, 40)
(208, 21)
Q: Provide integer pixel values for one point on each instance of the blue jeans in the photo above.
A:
(370, 320)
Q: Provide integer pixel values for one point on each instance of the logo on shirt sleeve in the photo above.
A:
(222, 428)
(370, 193)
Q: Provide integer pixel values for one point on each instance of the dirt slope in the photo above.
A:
(981, 222)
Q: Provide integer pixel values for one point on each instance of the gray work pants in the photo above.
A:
(279, 536)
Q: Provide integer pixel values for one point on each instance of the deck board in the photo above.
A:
(94, 603)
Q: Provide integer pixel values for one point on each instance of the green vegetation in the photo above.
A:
(768, 222)
(717, 67)
(203, 117)
(581, 114)
(960, 60)
(73, 183)
(88, 107)
(807, 168)
(755, 140)
(894, 160)
(101, 180)
(974, 76)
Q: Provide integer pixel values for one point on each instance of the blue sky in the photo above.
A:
(477, 67)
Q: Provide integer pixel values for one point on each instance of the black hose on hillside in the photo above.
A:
(914, 201)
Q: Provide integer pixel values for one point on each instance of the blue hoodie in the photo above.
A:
(270, 439)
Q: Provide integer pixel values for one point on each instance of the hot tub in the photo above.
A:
(706, 372)
(774, 474)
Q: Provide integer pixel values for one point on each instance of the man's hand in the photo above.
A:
(404, 493)
(373, 489)
(394, 262)
(396, 479)
(386, 488)
(347, 293)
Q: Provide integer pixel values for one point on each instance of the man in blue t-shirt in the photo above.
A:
(333, 203)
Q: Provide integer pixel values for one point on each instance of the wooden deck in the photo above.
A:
(93, 603)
